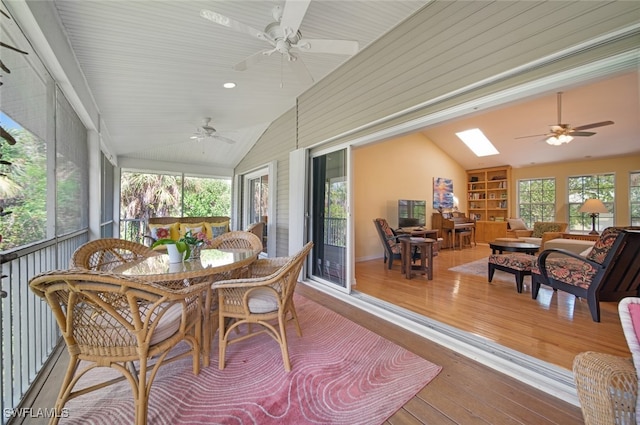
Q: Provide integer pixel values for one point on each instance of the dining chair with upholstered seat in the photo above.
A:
(259, 299)
(122, 323)
(231, 240)
(108, 253)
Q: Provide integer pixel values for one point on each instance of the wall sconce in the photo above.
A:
(593, 207)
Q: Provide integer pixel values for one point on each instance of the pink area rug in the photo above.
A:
(341, 374)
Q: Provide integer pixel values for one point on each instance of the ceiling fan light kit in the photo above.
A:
(208, 131)
(559, 140)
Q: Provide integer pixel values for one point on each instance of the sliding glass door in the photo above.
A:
(330, 219)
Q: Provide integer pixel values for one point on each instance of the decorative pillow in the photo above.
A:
(539, 228)
(193, 227)
(516, 224)
(629, 312)
(164, 231)
(219, 228)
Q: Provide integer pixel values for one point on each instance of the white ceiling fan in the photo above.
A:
(207, 131)
(284, 37)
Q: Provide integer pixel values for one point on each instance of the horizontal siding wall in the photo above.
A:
(425, 63)
(444, 47)
(274, 145)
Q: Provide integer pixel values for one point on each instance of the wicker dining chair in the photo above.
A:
(119, 322)
(108, 253)
(260, 300)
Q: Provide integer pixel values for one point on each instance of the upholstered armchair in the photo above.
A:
(389, 239)
(609, 272)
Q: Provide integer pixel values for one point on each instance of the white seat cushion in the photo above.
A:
(262, 300)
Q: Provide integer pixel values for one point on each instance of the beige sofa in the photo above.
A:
(539, 235)
(578, 244)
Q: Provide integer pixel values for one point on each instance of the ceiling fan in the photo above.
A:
(284, 38)
(564, 133)
(207, 131)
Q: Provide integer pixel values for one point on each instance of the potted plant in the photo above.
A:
(182, 247)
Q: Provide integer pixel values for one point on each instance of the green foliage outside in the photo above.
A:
(23, 190)
(157, 195)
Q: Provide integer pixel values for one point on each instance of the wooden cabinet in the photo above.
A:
(489, 231)
(488, 193)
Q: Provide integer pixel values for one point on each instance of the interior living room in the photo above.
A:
(371, 130)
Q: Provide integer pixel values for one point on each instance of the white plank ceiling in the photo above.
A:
(156, 70)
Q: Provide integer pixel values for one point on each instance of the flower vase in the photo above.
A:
(195, 252)
(175, 256)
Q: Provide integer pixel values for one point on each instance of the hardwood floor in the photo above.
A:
(553, 328)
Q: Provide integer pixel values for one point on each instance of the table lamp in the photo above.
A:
(593, 207)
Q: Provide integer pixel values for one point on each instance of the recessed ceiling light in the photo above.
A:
(477, 142)
(229, 85)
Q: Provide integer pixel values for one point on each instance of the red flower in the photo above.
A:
(162, 233)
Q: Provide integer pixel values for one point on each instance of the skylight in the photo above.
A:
(477, 142)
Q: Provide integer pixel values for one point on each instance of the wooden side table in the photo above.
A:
(426, 256)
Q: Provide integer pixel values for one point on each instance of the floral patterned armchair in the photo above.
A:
(610, 272)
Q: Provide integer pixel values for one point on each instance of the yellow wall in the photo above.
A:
(620, 166)
(402, 168)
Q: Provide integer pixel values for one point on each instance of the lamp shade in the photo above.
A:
(593, 206)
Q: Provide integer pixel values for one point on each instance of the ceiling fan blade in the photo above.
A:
(234, 25)
(533, 135)
(338, 47)
(581, 133)
(224, 139)
(593, 125)
(251, 60)
(301, 70)
(292, 15)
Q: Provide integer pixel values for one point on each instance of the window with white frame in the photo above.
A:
(634, 198)
(596, 186)
(537, 200)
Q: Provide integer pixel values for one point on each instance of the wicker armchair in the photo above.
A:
(607, 385)
(119, 322)
(230, 240)
(108, 253)
(261, 299)
(257, 229)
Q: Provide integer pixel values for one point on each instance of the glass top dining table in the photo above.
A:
(211, 261)
(213, 265)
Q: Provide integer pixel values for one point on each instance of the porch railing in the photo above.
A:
(29, 330)
(335, 231)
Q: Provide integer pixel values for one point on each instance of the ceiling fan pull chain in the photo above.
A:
(281, 71)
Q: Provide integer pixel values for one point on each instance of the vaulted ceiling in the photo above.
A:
(157, 69)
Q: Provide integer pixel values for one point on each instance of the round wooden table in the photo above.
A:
(511, 246)
(408, 244)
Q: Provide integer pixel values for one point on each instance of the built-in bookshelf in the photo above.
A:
(488, 193)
